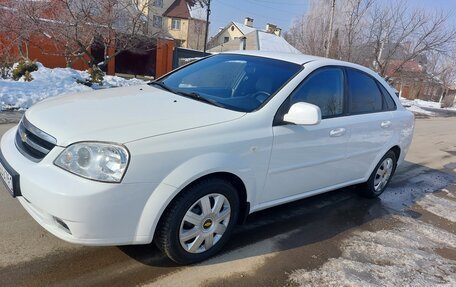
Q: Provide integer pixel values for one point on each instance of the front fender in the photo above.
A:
(185, 174)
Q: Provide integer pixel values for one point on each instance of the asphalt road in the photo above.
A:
(406, 237)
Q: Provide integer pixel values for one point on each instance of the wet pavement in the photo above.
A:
(405, 237)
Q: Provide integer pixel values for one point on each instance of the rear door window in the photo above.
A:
(390, 105)
(364, 94)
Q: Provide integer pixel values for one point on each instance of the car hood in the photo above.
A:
(122, 115)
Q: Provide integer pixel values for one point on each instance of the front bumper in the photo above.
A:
(75, 209)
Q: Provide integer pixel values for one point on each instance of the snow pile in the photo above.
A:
(419, 106)
(400, 257)
(420, 103)
(418, 110)
(51, 82)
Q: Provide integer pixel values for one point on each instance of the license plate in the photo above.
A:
(7, 178)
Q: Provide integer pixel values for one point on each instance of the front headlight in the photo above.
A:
(98, 161)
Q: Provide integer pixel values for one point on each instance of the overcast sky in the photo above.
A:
(283, 12)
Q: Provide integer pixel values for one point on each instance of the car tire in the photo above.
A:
(381, 176)
(199, 221)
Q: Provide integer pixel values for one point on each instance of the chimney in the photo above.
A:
(248, 22)
(273, 29)
(278, 32)
(270, 28)
(242, 43)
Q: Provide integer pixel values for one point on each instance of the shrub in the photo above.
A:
(5, 70)
(96, 75)
(28, 76)
(24, 68)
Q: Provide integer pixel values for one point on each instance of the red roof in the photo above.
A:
(409, 66)
(179, 9)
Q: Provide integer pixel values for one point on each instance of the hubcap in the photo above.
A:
(204, 223)
(383, 174)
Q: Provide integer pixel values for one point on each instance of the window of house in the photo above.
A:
(175, 24)
(226, 39)
(157, 21)
(158, 3)
(364, 95)
(323, 88)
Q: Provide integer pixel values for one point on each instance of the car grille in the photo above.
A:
(32, 142)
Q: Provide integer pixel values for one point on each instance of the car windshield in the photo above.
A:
(237, 82)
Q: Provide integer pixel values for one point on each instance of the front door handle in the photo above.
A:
(337, 132)
(385, 124)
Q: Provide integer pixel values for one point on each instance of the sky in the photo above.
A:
(284, 12)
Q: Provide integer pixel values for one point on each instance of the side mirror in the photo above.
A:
(303, 114)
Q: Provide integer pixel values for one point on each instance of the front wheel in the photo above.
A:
(381, 175)
(199, 221)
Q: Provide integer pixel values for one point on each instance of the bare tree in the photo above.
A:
(74, 27)
(16, 27)
(442, 68)
(307, 33)
(399, 35)
(353, 17)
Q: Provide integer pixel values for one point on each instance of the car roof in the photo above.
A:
(288, 57)
(302, 59)
(299, 59)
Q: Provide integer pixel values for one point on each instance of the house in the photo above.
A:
(236, 30)
(237, 36)
(182, 20)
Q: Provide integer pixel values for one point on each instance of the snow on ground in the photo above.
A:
(51, 82)
(404, 256)
(417, 106)
(439, 206)
(418, 110)
(420, 103)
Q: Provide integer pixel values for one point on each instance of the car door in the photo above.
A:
(370, 121)
(308, 158)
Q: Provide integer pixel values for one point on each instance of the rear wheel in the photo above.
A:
(381, 176)
(199, 221)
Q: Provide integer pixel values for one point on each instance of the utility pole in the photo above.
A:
(331, 23)
(208, 12)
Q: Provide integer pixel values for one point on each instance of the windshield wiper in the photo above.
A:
(163, 86)
(198, 97)
(192, 95)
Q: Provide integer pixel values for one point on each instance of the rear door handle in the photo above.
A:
(385, 124)
(337, 132)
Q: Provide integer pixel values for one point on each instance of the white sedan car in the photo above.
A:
(183, 159)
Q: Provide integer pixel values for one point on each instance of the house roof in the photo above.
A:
(243, 28)
(273, 43)
(197, 12)
(178, 9)
(259, 41)
(185, 10)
